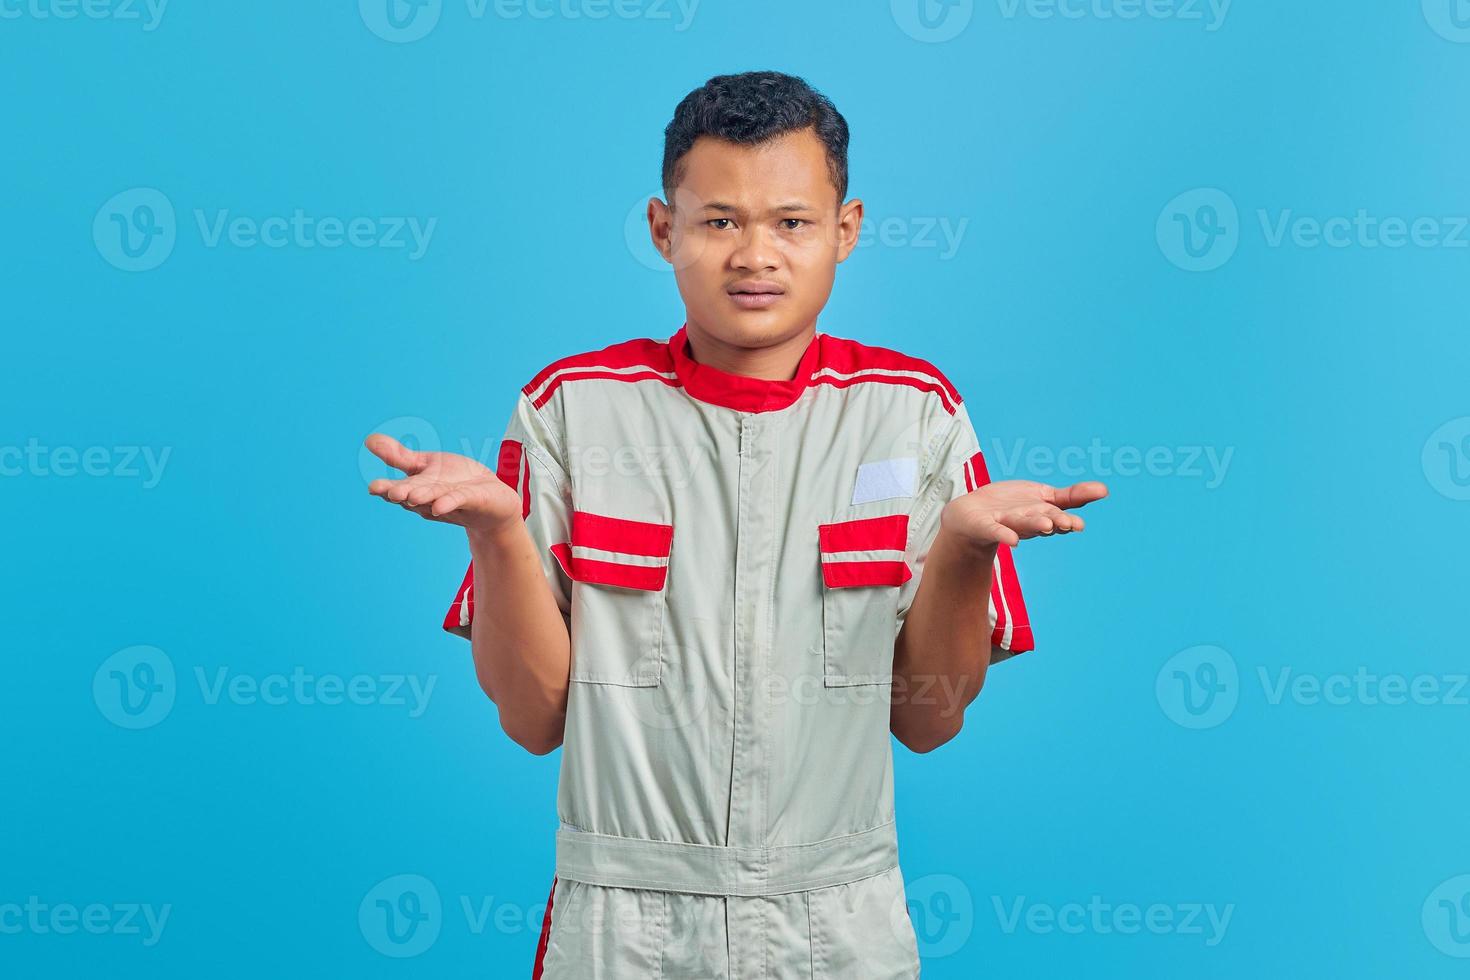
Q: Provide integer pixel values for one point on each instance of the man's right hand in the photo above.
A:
(444, 487)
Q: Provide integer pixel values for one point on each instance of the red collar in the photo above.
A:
(737, 391)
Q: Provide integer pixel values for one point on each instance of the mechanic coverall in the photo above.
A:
(735, 558)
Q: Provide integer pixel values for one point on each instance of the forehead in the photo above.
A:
(790, 167)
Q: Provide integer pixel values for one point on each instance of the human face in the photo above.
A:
(754, 235)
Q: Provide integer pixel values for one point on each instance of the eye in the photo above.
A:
(793, 223)
(715, 223)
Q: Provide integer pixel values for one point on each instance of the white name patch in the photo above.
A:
(884, 479)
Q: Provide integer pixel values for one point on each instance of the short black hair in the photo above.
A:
(751, 108)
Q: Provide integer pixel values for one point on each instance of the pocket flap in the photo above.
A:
(616, 551)
(867, 551)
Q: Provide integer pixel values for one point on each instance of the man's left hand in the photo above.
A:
(1008, 511)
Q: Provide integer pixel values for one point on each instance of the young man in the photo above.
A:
(719, 569)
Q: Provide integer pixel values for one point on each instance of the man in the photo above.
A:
(719, 569)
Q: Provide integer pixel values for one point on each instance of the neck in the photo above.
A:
(774, 362)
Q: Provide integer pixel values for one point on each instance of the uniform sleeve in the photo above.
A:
(958, 468)
(531, 461)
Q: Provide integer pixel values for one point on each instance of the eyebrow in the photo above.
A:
(732, 209)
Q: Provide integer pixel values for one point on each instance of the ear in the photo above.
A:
(849, 226)
(661, 226)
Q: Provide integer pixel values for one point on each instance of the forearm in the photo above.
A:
(943, 650)
(521, 648)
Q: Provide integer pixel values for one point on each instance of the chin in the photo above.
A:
(753, 328)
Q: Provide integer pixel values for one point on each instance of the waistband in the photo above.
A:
(713, 869)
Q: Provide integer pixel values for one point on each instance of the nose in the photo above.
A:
(756, 251)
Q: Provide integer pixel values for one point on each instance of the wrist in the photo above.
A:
(494, 537)
(960, 527)
(966, 548)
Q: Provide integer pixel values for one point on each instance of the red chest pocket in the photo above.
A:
(863, 564)
(867, 551)
(619, 567)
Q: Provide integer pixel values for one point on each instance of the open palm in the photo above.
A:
(443, 487)
(1008, 511)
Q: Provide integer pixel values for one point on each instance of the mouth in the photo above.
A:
(755, 295)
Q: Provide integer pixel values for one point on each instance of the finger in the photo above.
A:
(1063, 522)
(395, 453)
(401, 489)
(380, 486)
(448, 503)
(1046, 521)
(1004, 535)
(425, 511)
(1078, 494)
(427, 492)
(393, 491)
(1028, 523)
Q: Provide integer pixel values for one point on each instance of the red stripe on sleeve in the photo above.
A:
(982, 473)
(945, 393)
(1005, 587)
(997, 635)
(562, 552)
(540, 963)
(508, 465)
(594, 375)
(525, 486)
(465, 595)
(1021, 638)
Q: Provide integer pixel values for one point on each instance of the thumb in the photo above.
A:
(395, 453)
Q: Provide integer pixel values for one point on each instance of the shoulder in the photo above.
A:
(629, 360)
(850, 362)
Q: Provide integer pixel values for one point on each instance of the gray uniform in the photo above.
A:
(735, 558)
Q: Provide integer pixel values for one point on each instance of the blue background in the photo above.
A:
(1332, 543)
